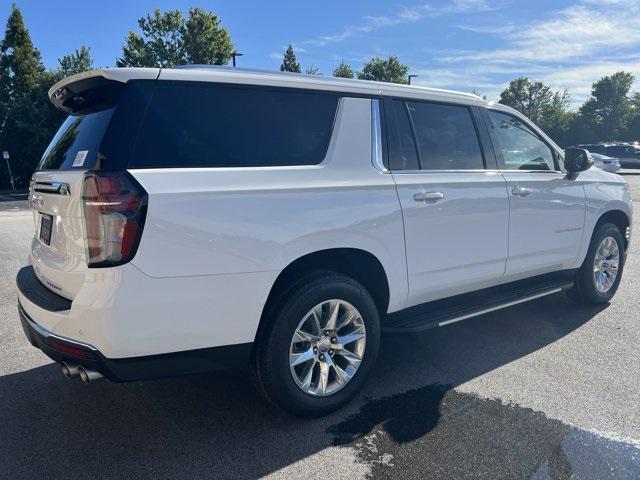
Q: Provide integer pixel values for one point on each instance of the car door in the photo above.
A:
(547, 207)
(455, 209)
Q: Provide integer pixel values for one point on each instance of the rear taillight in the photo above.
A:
(115, 206)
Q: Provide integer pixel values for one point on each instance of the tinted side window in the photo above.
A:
(614, 151)
(521, 147)
(596, 149)
(213, 125)
(446, 135)
(402, 146)
(622, 151)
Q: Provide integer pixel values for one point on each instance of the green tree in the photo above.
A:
(546, 108)
(205, 41)
(529, 98)
(32, 117)
(609, 111)
(76, 62)
(555, 118)
(389, 70)
(312, 70)
(169, 39)
(20, 62)
(21, 77)
(28, 120)
(343, 70)
(290, 62)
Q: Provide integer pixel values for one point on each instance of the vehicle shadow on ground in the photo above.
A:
(216, 425)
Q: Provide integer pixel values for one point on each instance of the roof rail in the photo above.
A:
(324, 79)
(275, 73)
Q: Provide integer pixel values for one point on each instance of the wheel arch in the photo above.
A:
(620, 219)
(361, 265)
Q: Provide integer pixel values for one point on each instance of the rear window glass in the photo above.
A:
(213, 125)
(77, 141)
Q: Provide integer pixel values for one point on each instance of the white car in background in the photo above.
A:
(603, 162)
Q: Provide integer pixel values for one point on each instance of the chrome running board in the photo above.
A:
(461, 307)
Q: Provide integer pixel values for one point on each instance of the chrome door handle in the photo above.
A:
(521, 191)
(431, 197)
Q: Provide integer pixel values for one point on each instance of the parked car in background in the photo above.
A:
(603, 162)
(194, 219)
(628, 154)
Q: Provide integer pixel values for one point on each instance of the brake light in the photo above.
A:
(115, 207)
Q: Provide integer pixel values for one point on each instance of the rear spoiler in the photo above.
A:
(95, 90)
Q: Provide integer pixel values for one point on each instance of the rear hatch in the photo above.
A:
(97, 135)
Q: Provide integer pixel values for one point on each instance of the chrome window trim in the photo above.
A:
(533, 171)
(376, 137)
(478, 170)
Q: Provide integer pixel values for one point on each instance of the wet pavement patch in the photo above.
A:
(435, 432)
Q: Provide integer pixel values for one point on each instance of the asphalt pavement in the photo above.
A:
(542, 390)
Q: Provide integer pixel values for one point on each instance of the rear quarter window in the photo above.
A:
(190, 124)
(102, 139)
(77, 142)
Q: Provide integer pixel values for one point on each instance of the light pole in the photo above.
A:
(5, 155)
(235, 54)
(409, 77)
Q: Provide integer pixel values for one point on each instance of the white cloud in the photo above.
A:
(571, 48)
(575, 32)
(567, 48)
(578, 79)
(497, 29)
(412, 14)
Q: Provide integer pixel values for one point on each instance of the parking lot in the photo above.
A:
(543, 390)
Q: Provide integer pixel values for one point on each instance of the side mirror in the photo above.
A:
(577, 160)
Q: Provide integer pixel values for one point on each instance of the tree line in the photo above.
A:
(27, 118)
(611, 113)
(28, 121)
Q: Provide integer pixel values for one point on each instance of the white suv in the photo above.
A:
(195, 219)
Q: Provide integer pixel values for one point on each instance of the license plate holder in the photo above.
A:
(45, 228)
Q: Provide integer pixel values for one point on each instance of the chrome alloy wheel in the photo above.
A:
(327, 347)
(605, 264)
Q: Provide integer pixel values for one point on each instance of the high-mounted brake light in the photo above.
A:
(115, 207)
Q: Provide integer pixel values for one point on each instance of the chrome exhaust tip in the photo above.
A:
(90, 376)
(68, 370)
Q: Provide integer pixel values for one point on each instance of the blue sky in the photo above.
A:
(460, 44)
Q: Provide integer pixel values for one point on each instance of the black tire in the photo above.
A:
(272, 373)
(584, 289)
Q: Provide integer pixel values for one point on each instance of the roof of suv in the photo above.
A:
(210, 73)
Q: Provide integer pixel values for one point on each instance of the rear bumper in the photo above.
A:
(125, 314)
(59, 348)
(35, 297)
